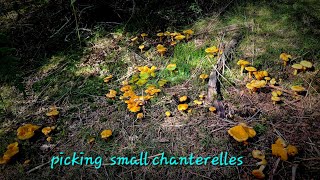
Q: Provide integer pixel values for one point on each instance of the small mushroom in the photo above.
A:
(139, 115)
(197, 102)
(204, 77)
(250, 70)
(167, 33)
(143, 35)
(242, 63)
(160, 35)
(182, 107)
(188, 33)
(183, 98)
(161, 50)
(134, 40)
(280, 151)
(285, 58)
(297, 89)
(258, 154)
(141, 47)
(168, 114)
(273, 81)
(267, 79)
(275, 99)
(306, 65)
(179, 37)
(212, 109)
(171, 67)
(296, 67)
(258, 173)
(212, 50)
(292, 150)
(112, 94)
(106, 133)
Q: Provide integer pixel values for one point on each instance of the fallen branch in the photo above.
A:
(214, 91)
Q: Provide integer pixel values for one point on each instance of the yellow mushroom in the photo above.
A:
(258, 154)
(292, 150)
(139, 115)
(183, 98)
(188, 33)
(296, 67)
(275, 99)
(141, 47)
(258, 173)
(297, 89)
(168, 114)
(285, 58)
(242, 63)
(143, 35)
(306, 65)
(179, 37)
(160, 35)
(182, 107)
(106, 133)
(212, 109)
(250, 70)
(204, 77)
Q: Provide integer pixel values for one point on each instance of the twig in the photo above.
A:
(294, 171)
(274, 168)
(38, 167)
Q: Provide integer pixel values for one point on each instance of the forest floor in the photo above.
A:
(73, 81)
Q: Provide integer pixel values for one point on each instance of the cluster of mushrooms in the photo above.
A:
(262, 78)
(165, 38)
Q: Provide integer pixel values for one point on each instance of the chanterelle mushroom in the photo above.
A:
(242, 63)
(296, 67)
(250, 70)
(297, 89)
(258, 154)
(258, 173)
(285, 58)
(306, 64)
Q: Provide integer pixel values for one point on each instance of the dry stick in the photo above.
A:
(294, 171)
(213, 84)
(274, 168)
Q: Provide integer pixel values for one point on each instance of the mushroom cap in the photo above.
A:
(182, 107)
(112, 93)
(238, 133)
(292, 150)
(258, 154)
(212, 50)
(258, 84)
(134, 39)
(197, 102)
(188, 31)
(144, 34)
(141, 46)
(274, 93)
(26, 131)
(305, 63)
(273, 81)
(262, 162)
(46, 130)
(204, 76)
(161, 50)
(159, 46)
(172, 43)
(179, 37)
(168, 114)
(251, 69)
(285, 56)
(139, 115)
(279, 92)
(160, 34)
(297, 88)
(106, 133)
(167, 33)
(279, 150)
(183, 98)
(275, 98)
(281, 142)
(212, 109)
(258, 174)
(267, 78)
(250, 131)
(242, 62)
(171, 67)
(250, 86)
(297, 66)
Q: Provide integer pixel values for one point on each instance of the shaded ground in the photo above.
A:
(73, 81)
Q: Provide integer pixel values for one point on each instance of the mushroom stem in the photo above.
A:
(250, 75)
(261, 168)
(295, 72)
(284, 63)
(187, 37)
(242, 68)
(160, 38)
